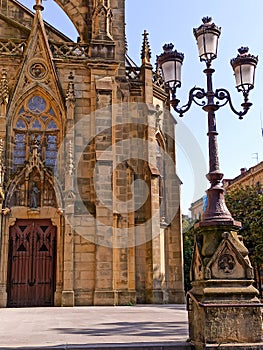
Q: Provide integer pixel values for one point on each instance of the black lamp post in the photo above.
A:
(244, 65)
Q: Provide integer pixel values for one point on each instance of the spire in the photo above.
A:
(146, 50)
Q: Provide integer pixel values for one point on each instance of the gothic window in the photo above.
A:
(37, 120)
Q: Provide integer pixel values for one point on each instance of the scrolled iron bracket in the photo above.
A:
(223, 97)
(195, 94)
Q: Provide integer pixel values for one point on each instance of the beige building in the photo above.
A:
(90, 200)
(197, 209)
(250, 177)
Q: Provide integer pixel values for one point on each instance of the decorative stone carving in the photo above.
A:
(102, 21)
(34, 196)
(33, 185)
(70, 159)
(37, 70)
(12, 47)
(70, 91)
(4, 90)
(228, 262)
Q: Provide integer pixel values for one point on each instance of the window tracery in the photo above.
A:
(36, 119)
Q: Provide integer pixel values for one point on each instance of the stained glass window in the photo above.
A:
(20, 124)
(51, 150)
(44, 118)
(36, 104)
(19, 151)
(51, 111)
(36, 120)
(52, 125)
(36, 124)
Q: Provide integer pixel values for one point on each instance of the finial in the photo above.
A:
(146, 51)
(38, 6)
(207, 20)
(168, 47)
(243, 50)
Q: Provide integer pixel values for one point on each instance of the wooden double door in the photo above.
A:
(31, 263)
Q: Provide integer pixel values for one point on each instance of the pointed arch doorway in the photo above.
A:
(32, 263)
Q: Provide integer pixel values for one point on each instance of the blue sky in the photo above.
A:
(240, 142)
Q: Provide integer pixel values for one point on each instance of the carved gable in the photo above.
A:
(228, 262)
(37, 68)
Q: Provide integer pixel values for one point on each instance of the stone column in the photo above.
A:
(104, 293)
(68, 275)
(4, 240)
(4, 97)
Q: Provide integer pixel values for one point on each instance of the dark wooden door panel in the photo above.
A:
(31, 276)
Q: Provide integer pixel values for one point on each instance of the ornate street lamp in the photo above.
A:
(244, 65)
(222, 305)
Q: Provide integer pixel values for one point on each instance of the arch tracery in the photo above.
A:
(36, 119)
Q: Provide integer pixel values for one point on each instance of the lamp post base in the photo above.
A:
(223, 307)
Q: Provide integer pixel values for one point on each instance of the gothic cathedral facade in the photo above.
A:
(90, 200)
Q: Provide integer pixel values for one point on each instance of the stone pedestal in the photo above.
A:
(223, 307)
(67, 298)
(3, 295)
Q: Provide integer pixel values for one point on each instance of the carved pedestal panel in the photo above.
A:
(223, 307)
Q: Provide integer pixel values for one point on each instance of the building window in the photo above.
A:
(36, 120)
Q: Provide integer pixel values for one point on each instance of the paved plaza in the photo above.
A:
(83, 327)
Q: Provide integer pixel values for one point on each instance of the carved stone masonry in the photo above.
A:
(223, 305)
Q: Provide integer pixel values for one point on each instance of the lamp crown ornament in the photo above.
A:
(207, 20)
(207, 24)
(168, 47)
(169, 53)
(243, 50)
(243, 54)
